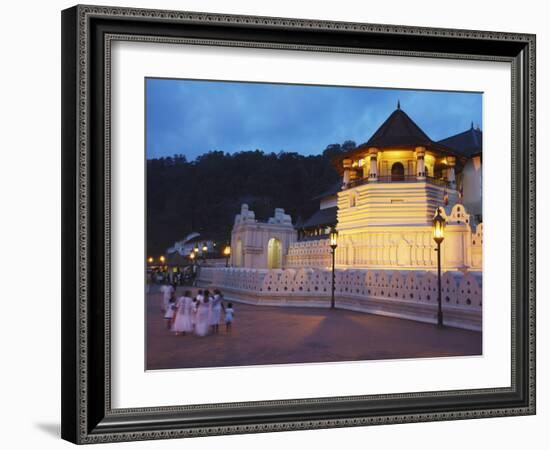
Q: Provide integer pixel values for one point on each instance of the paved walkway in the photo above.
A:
(279, 335)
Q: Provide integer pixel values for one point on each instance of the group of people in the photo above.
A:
(159, 275)
(200, 315)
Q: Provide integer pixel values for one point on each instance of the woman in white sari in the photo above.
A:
(183, 315)
(167, 293)
(202, 318)
(216, 312)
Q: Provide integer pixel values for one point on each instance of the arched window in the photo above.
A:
(274, 254)
(397, 172)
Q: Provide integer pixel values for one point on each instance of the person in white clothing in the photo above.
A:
(183, 315)
(229, 312)
(202, 318)
(216, 311)
(167, 293)
(170, 310)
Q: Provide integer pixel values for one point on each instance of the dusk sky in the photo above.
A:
(193, 117)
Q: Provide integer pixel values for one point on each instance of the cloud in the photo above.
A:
(192, 117)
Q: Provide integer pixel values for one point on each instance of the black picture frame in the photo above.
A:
(87, 416)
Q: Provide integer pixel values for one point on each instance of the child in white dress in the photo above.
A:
(169, 311)
(183, 315)
(229, 312)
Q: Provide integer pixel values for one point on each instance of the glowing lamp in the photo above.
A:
(162, 259)
(333, 238)
(227, 250)
(439, 227)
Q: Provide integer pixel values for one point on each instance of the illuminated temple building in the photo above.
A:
(383, 207)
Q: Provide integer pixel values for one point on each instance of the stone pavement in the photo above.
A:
(280, 335)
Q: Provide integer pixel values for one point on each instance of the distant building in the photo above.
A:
(469, 145)
(319, 224)
(182, 249)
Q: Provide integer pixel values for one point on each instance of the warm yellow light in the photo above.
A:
(150, 260)
(333, 238)
(192, 256)
(227, 250)
(162, 259)
(196, 249)
(204, 248)
(439, 227)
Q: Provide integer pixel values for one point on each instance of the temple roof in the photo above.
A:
(333, 190)
(322, 217)
(467, 143)
(399, 130)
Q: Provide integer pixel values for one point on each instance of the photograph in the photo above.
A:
(297, 224)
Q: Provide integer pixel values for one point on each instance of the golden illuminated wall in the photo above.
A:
(389, 225)
(387, 158)
(381, 203)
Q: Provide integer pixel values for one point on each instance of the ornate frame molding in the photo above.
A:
(84, 423)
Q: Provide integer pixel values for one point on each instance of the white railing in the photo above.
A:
(407, 294)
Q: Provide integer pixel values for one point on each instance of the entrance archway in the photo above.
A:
(239, 254)
(274, 254)
(397, 172)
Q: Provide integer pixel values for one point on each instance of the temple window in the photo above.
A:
(352, 200)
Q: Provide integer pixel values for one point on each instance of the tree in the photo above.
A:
(205, 194)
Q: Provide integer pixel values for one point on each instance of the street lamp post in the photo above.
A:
(439, 235)
(333, 245)
(204, 250)
(227, 254)
(193, 268)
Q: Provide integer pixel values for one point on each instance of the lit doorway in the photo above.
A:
(274, 254)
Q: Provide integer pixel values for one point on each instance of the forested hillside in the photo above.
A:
(205, 194)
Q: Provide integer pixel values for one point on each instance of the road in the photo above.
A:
(279, 335)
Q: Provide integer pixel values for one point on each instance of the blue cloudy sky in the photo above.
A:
(193, 117)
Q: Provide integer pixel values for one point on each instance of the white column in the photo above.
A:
(347, 167)
(451, 161)
(366, 167)
(420, 167)
(373, 174)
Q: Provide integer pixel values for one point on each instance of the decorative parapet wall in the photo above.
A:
(401, 248)
(405, 294)
(313, 253)
(411, 246)
(476, 247)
